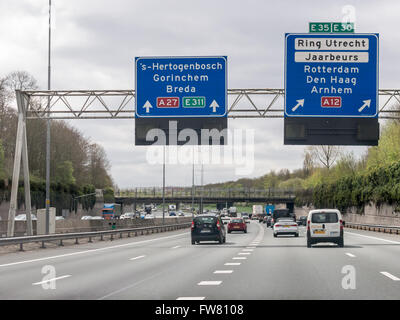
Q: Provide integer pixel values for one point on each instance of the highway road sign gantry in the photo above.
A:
(331, 75)
(187, 87)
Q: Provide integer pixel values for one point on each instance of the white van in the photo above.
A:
(325, 225)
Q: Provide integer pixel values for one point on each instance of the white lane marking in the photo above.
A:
(387, 274)
(250, 247)
(223, 271)
(89, 251)
(176, 247)
(350, 255)
(244, 253)
(135, 258)
(232, 264)
(362, 235)
(209, 283)
(239, 258)
(191, 298)
(54, 279)
(248, 250)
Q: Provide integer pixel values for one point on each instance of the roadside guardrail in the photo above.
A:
(90, 235)
(373, 227)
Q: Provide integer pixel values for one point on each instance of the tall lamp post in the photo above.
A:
(48, 130)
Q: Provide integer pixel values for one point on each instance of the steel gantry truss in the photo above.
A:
(120, 104)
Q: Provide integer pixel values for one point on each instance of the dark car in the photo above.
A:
(268, 220)
(302, 221)
(208, 227)
(281, 213)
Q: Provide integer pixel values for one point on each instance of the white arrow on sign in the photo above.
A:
(300, 102)
(214, 105)
(367, 103)
(147, 106)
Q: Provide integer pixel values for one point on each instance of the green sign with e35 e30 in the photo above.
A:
(332, 27)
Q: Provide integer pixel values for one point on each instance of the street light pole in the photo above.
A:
(193, 186)
(202, 188)
(48, 130)
(163, 189)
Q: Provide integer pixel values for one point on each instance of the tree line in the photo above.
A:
(77, 165)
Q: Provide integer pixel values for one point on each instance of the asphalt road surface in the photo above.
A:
(249, 266)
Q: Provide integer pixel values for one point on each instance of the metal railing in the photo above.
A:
(90, 235)
(373, 227)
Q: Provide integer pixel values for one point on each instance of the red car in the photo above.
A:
(237, 225)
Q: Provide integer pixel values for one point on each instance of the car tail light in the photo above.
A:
(341, 224)
(192, 225)
(218, 225)
(278, 225)
(308, 225)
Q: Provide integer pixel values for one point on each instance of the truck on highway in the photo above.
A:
(232, 212)
(258, 211)
(111, 211)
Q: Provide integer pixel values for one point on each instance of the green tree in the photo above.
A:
(65, 173)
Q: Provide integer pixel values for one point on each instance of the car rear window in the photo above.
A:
(237, 221)
(206, 220)
(324, 217)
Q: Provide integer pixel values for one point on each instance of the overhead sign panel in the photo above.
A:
(331, 75)
(181, 87)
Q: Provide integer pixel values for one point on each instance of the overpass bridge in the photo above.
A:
(221, 197)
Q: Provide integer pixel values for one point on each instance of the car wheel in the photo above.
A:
(275, 235)
(245, 231)
(221, 240)
(341, 243)
(296, 235)
(193, 242)
(229, 232)
(224, 239)
(309, 242)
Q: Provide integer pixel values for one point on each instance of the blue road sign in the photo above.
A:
(331, 75)
(187, 87)
(269, 209)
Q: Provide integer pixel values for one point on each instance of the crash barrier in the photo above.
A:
(373, 227)
(90, 235)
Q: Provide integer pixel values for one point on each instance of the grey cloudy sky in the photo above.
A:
(95, 42)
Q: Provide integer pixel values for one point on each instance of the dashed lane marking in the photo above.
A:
(209, 283)
(49, 280)
(350, 255)
(136, 258)
(387, 274)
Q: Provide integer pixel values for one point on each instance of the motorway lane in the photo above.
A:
(284, 268)
(104, 270)
(167, 266)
